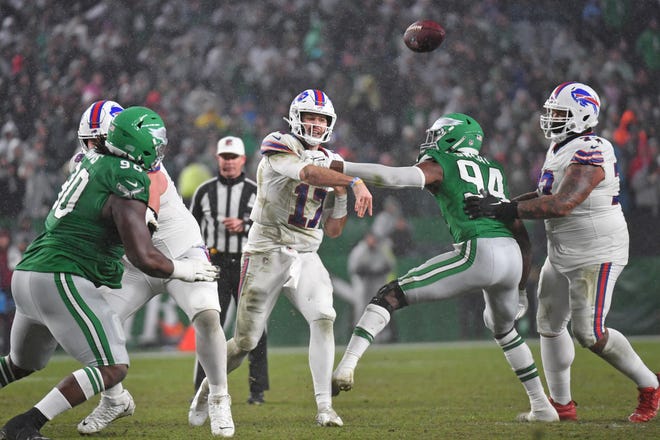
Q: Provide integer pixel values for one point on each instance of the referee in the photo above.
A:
(222, 208)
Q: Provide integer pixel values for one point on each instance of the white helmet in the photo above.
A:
(311, 101)
(581, 104)
(95, 122)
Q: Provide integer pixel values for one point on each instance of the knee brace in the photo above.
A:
(390, 297)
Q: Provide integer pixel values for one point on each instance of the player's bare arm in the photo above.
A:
(433, 174)
(128, 216)
(522, 237)
(319, 176)
(526, 196)
(575, 187)
(157, 188)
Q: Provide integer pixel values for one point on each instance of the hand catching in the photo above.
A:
(194, 270)
(487, 205)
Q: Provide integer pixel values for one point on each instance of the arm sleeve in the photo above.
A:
(288, 165)
(381, 175)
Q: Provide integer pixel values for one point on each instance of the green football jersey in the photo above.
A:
(464, 176)
(76, 238)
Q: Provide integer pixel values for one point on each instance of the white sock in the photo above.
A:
(90, 381)
(373, 321)
(52, 404)
(520, 358)
(321, 359)
(211, 348)
(557, 354)
(619, 353)
(114, 391)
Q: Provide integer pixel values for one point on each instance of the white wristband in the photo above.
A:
(340, 209)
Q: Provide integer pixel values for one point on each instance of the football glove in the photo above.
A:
(487, 205)
(194, 270)
(523, 303)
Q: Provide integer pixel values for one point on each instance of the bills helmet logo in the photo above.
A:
(583, 98)
(319, 97)
(114, 110)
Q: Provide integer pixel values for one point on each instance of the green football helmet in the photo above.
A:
(138, 135)
(452, 132)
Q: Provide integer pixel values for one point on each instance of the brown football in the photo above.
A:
(424, 36)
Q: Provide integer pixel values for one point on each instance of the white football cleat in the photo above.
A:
(541, 415)
(199, 407)
(328, 417)
(342, 380)
(108, 410)
(220, 414)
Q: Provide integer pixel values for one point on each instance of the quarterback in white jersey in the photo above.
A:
(577, 195)
(280, 219)
(177, 235)
(289, 222)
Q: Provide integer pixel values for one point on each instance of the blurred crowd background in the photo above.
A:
(232, 68)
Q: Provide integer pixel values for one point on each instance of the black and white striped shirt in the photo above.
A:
(217, 199)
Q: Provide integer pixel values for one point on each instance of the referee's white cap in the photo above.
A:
(231, 145)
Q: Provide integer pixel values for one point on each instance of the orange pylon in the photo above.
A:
(187, 342)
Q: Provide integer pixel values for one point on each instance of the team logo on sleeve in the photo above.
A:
(127, 192)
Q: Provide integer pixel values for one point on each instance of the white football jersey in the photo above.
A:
(287, 211)
(596, 231)
(178, 230)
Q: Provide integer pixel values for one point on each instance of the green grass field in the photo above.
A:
(435, 391)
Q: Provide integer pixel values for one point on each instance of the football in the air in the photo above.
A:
(424, 36)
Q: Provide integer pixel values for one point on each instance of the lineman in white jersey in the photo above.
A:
(577, 195)
(281, 253)
(177, 235)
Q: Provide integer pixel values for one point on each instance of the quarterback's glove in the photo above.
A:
(316, 157)
(152, 220)
(487, 205)
(194, 270)
(523, 303)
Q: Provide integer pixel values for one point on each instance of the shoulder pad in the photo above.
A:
(591, 142)
(278, 142)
